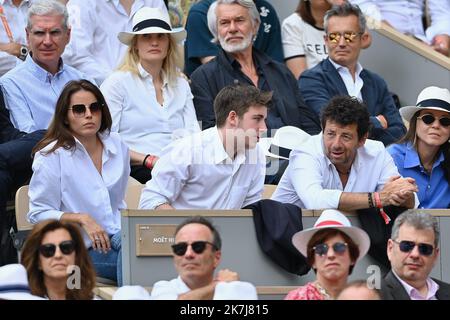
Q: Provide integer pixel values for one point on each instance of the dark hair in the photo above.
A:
(344, 10)
(345, 110)
(325, 234)
(217, 241)
(411, 137)
(238, 98)
(30, 259)
(305, 12)
(58, 129)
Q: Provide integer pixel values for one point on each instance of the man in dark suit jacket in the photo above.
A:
(413, 251)
(341, 74)
(15, 162)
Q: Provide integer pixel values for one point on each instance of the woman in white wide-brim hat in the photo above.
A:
(424, 152)
(332, 247)
(150, 102)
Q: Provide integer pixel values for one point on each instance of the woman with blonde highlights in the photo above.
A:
(150, 102)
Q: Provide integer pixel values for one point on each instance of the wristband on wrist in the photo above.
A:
(149, 161)
(370, 199)
(380, 206)
(145, 160)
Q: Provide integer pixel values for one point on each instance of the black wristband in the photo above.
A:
(369, 196)
(145, 159)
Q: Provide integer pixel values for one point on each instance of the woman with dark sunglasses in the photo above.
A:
(332, 247)
(53, 252)
(80, 174)
(424, 152)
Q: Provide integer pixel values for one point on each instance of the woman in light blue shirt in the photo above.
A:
(80, 174)
(151, 103)
(424, 152)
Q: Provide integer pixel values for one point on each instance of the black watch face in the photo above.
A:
(24, 51)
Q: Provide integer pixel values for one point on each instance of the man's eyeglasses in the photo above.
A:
(48, 250)
(197, 246)
(79, 110)
(429, 119)
(322, 248)
(335, 37)
(425, 249)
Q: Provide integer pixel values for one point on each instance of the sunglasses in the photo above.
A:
(429, 119)
(48, 250)
(79, 110)
(425, 249)
(197, 246)
(349, 37)
(338, 247)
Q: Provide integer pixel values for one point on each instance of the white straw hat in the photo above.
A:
(332, 219)
(285, 140)
(433, 98)
(151, 20)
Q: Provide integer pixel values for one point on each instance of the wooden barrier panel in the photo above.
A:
(240, 250)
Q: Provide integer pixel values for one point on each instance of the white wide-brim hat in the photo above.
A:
(433, 98)
(332, 219)
(151, 20)
(14, 283)
(285, 140)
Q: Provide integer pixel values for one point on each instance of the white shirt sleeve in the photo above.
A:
(113, 92)
(169, 175)
(189, 116)
(45, 188)
(292, 37)
(17, 105)
(440, 18)
(257, 185)
(164, 290)
(307, 177)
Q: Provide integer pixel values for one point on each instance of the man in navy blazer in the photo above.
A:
(341, 74)
(15, 163)
(413, 251)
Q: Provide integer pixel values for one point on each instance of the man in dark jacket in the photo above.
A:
(341, 74)
(235, 26)
(413, 251)
(15, 161)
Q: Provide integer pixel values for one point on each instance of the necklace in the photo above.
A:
(322, 291)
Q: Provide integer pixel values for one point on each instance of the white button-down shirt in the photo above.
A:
(144, 125)
(94, 47)
(196, 173)
(17, 21)
(68, 181)
(353, 86)
(312, 182)
(406, 15)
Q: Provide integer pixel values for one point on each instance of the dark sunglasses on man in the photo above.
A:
(429, 119)
(197, 246)
(349, 37)
(79, 110)
(48, 250)
(322, 248)
(425, 249)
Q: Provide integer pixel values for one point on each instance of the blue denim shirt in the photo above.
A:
(434, 189)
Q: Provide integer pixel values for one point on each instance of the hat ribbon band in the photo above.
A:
(284, 152)
(434, 103)
(329, 223)
(152, 23)
(14, 288)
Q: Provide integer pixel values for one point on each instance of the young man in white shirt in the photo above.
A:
(197, 253)
(219, 168)
(342, 169)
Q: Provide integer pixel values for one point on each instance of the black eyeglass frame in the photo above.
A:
(48, 250)
(406, 246)
(198, 247)
(444, 121)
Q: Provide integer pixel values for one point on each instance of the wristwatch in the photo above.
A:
(23, 53)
